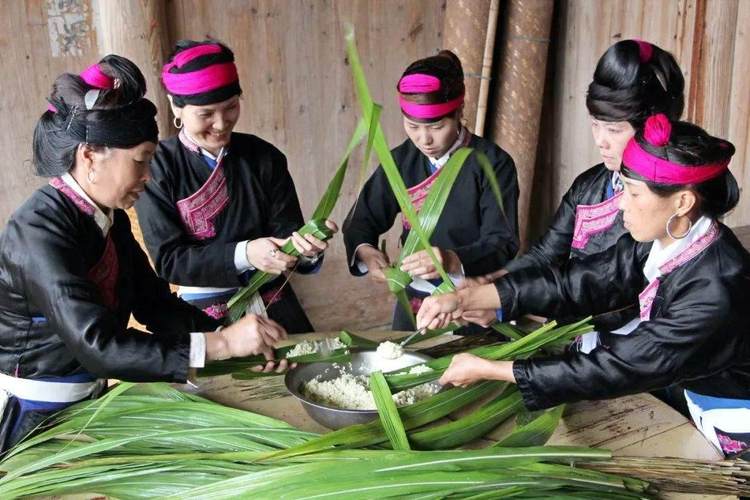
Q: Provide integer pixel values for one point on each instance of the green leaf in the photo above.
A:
(388, 412)
(538, 428)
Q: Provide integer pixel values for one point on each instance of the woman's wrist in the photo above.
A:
(217, 347)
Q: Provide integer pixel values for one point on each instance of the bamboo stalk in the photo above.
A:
(486, 78)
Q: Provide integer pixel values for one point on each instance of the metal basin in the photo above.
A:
(363, 363)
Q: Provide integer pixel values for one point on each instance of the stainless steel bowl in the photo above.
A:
(363, 363)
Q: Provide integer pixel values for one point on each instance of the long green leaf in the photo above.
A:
(388, 413)
(534, 432)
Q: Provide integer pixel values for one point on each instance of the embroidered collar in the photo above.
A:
(103, 220)
(439, 162)
(659, 255)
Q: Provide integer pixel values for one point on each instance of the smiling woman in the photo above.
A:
(222, 203)
(71, 273)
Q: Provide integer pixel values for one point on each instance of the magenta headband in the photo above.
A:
(645, 50)
(94, 77)
(665, 172)
(202, 80)
(418, 83)
(656, 131)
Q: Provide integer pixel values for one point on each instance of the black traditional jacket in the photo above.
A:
(585, 223)
(67, 293)
(698, 334)
(192, 217)
(472, 223)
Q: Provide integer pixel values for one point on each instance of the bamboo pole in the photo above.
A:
(484, 83)
(465, 33)
(517, 106)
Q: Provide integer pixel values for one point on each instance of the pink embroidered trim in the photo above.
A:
(594, 219)
(272, 296)
(415, 303)
(646, 297)
(83, 205)
(104, 274)
(418, 194)
(217, 311)
(199, 210)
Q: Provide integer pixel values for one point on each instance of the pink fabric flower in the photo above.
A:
(657, 130)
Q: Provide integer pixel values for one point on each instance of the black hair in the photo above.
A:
(445, 66)
(213, 96)
(70, 121)
(625, 88)
(690, 145)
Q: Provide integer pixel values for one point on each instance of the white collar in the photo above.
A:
(207, 153)
(439, 162)
(659, 255)
(103, 220)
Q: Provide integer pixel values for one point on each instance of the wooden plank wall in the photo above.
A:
(709, 38)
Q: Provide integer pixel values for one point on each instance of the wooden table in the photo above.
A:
(638, 425)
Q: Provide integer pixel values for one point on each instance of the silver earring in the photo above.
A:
(91, 176)
(177, 122)
(669, 231)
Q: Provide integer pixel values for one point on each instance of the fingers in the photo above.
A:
(271, 331)
(332, 226)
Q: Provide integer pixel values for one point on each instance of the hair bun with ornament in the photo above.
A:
(657, 129)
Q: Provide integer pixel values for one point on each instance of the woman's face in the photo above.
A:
(433, 139)
(645, 213)
(611, 138)
(210, 125)
(120, 174)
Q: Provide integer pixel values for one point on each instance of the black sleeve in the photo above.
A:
(56, 285)
(553, 248)
(655, 355)
(177, 257)
(498, 241)
(373, 214)
(600, 283)
(156, 307)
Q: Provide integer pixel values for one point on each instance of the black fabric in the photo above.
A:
(472, 224)
(698, 335)
(262, 202)
(46, 251)
(122, 127)
(554, 247)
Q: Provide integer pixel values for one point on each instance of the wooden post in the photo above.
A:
(517, 106)
(137, 29)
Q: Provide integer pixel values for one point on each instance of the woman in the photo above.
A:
(633, 80)
(686, 271)
(221, 203)
(473, 236)
(71, 273)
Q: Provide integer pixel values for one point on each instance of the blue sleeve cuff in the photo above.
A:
(499, 315)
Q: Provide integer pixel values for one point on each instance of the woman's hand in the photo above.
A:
(420, 265)
(265, 255)
(481, 317)
(249, 336)
(375, 260)
(309, 245)
(438, 311)
(465, 369)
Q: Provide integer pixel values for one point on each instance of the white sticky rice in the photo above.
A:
(389, 350)
(315, 346)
